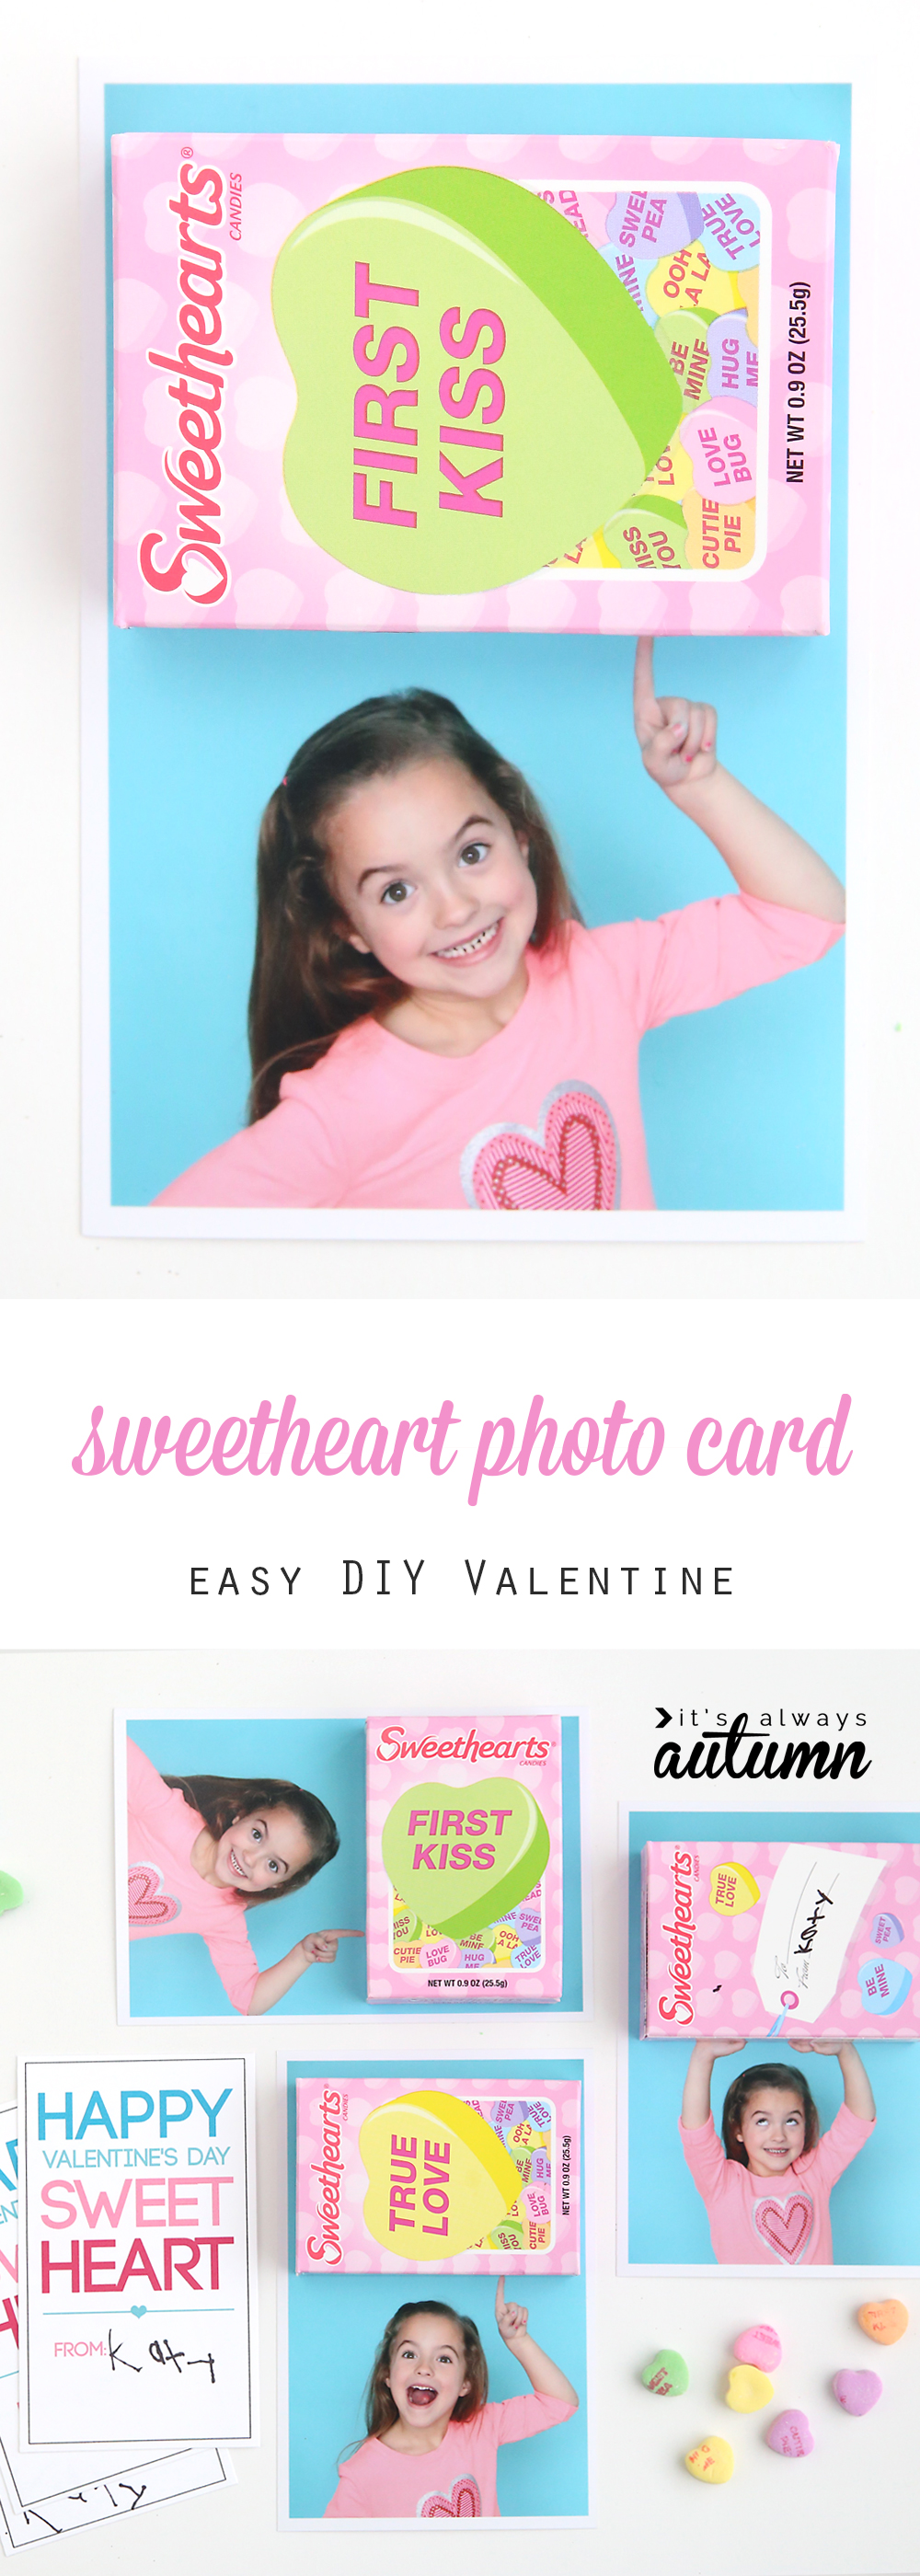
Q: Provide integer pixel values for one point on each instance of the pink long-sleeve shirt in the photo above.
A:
(753, 2220)
(545, 1115)
(166, 1892)
(455, 2483)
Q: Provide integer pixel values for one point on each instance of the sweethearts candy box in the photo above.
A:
(525, 381)
(464, 1859)
(414, 2174)
(754, 1939)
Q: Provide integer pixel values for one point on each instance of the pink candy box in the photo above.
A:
(532, 382)
(432, 2174)
(464, 1860)
(755, 1940)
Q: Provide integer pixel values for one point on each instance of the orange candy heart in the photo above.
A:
(884, 2319)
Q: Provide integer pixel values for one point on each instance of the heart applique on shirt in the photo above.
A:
(572, 1160)
(463, 2504)
(785, 2225)
(147, 1898)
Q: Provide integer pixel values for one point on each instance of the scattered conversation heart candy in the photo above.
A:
(712, 2460)
(667, 2375)
(884, 2319)
(792, 2435)
(760, 2345)
(721, 442)
(887, 1932)
(748, 2388)
(857, 2390)
(526, 395)
(885, 1984)
(731, 1887)
(10, 1893)
(438, 2177)
(465, 1854)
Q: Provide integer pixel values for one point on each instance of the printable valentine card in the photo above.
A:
(41, 2498)
(138, 2252)
(438, 2176)
(464, 1859)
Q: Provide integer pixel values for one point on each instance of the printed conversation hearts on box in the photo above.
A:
(438, 2177)
(476, 389)
(465, 1856)
(885, 1984)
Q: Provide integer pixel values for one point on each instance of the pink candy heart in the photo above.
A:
(759, 2345)
(571, 1160)
(857, 2390)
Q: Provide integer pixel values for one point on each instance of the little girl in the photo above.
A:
(432, 2439)
(770, 2138)
(200, 1851)
(431, 1025)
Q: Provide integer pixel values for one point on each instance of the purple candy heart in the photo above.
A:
(857, 2390)
(792, 2434)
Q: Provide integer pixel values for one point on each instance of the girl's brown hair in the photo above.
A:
(308, 982)
(758, 2079)
(380, 2409)
(221, 1803)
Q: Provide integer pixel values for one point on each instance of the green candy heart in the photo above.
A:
(467, 1854)
(667, 2375)
(10, 1893)
(475, 387)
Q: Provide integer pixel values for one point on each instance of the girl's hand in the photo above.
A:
(676, 736)
(722, 2047)
(320, 1948)
(510, 2319)
(821, 2047)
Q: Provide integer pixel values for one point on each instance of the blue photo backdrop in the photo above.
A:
(743, 1105)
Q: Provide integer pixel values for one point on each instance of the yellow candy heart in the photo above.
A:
(438, 2177)
(712, 2460)
(748, 2388)
(731, 1888)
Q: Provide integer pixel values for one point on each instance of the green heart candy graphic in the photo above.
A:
(475, 388)
(466, 1854)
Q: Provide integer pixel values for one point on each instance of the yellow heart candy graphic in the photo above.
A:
(731, 1888)
(438, 2177)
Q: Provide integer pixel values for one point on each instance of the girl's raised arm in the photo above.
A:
(857, 2090)
(546, 2379)
(316, 1949)
(695, 2107)
(767, 858)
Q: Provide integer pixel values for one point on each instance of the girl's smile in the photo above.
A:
(426, 2380)
(772, 2130)
(255, 1852)
(435, 884)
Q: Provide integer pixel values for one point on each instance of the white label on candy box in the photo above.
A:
(810, 1916)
